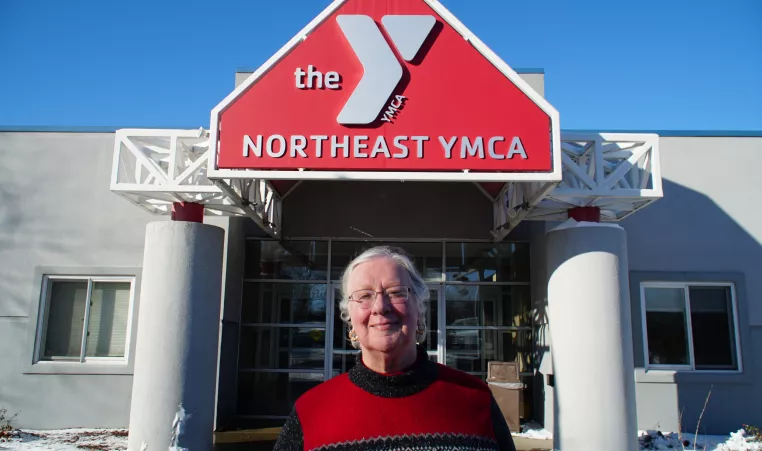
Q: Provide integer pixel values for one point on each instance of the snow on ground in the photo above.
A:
(533, 431)
(537, 434)
(66, 440)
(736, 441)
(113, 440)
(653, 440)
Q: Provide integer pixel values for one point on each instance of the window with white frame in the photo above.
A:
(690, 326)
(85, 318)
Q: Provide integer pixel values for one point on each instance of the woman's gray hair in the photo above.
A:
(420, 289)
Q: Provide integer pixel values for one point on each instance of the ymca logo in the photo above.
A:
(382, 70)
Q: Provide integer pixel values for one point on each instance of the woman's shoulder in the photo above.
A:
(328, 391)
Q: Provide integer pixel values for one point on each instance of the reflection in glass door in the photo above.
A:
(486, 322)
(433, 310)
(341, 355)
(282, 346)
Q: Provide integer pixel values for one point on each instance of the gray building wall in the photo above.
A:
(58, 216)
(56, 212)
(707, 227)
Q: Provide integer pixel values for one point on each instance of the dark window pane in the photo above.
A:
(340, 328)
(272, 393)
(267, 302)
(712, 322)
(666, 326)
(427, 257)
(293, 260)
(667, 344)
(488, 305)
(487, 262)
(470, 349)
(341, 336)
(281, 348)
(65, 319)
(432, 321)
(430, 342)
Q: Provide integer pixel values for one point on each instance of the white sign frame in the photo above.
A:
(554, 175)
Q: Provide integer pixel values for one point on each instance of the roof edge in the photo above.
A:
(113, 129)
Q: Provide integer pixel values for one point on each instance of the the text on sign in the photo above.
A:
(394, 108)
(312, 78)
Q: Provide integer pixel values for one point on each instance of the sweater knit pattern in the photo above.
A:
(427, 442)
(428, 407)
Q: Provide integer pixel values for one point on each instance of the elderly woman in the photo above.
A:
(394, 397)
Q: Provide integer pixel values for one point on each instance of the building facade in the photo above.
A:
(701, 234)
(74, 256)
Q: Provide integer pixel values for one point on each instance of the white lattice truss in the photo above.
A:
(619, 173)
(155, 168)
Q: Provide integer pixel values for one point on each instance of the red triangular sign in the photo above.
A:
(370, 89)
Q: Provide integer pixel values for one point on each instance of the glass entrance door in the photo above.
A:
(292, 337)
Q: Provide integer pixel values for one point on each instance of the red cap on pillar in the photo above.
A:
(585, 214)
(187, 211)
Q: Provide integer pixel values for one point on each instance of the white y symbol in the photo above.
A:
(382, 71)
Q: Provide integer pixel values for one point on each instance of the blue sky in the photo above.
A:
(609, 65)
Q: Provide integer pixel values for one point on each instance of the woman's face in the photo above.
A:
(384, 327)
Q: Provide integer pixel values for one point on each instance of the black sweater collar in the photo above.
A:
(418, 377)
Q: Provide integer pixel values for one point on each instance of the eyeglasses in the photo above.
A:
(366, 298)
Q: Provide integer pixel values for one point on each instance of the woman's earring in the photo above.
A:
(352, 335)
(419, 334)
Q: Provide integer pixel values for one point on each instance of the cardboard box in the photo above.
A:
(506, 387)
(503, 372)
(509, 402)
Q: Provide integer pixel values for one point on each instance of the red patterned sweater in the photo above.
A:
(428, 407)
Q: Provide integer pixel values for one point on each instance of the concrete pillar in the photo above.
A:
(591, 332)
(173, 388)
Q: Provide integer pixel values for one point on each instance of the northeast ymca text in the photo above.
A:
(335, 146)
